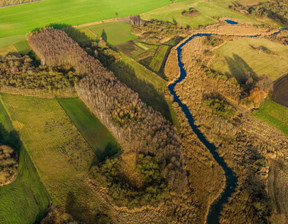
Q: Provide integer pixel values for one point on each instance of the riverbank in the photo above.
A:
(238, 145)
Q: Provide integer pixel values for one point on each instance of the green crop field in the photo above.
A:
(91, 128)
(25, 200)
(113, 32)
(274, 115)
(59, 152)
(209, 10)
(158, 58)
(19, 20)
(257, 56)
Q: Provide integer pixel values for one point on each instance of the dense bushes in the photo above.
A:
(221, 107)
(19, 72)
(122, 192)
(137, 127)
(8, 164)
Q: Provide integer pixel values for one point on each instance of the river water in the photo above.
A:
(231, 180)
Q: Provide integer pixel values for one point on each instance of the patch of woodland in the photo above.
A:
(220, 106)
(4, 3)
(8, 164)
(136, 126)
(273, 9)
(157, 32)
(213, 41)
(250, 203)
(191, 12)
(152, 188)
(19, 74)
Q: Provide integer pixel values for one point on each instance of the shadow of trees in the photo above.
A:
(147, 92)
(78, 211)
(240, 69)
(10, 138)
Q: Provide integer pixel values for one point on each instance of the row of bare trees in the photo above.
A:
(136, 126)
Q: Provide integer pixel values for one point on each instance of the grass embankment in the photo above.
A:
(91, 128)
(209, 10)
(274, 115)
(257, 56)
(60, 153)
(21, 19)
(113, 32)
(26, 199)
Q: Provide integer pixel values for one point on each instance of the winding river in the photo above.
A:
(231, 180)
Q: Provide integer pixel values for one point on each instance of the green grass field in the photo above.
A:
(59, 152)
(274, 115)
(209, 11)
(158, 58)
(113, 32)
(91, 128)
(26, 199)
(243, 55)
(21, 19)
(22, 46)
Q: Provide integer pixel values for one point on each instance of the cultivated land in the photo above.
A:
(26, 199)
(91, 128)
(209, 10)
(113, 32)
(21, 19)
(158, 58)
(256, 56)
(60, 154)
(274, 115)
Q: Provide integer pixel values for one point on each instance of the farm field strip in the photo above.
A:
(22, 19)
(208, 12)
(26, 199)
(91, 128)
(59, 152)
(274, 115)
(158, 58)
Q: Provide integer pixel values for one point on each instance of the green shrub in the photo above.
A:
(221, 107)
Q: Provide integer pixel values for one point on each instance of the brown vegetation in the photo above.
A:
(8, 165)
(246, 145)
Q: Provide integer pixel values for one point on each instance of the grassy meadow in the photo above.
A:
(19, 20)
(257, 56)
(26, 199)
(59, 152)
(274, 115)
(113, 32)
(91, 128)
(209, 10)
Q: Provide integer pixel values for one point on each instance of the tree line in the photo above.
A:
(19, 74)
(15, 2)
(136, 126)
